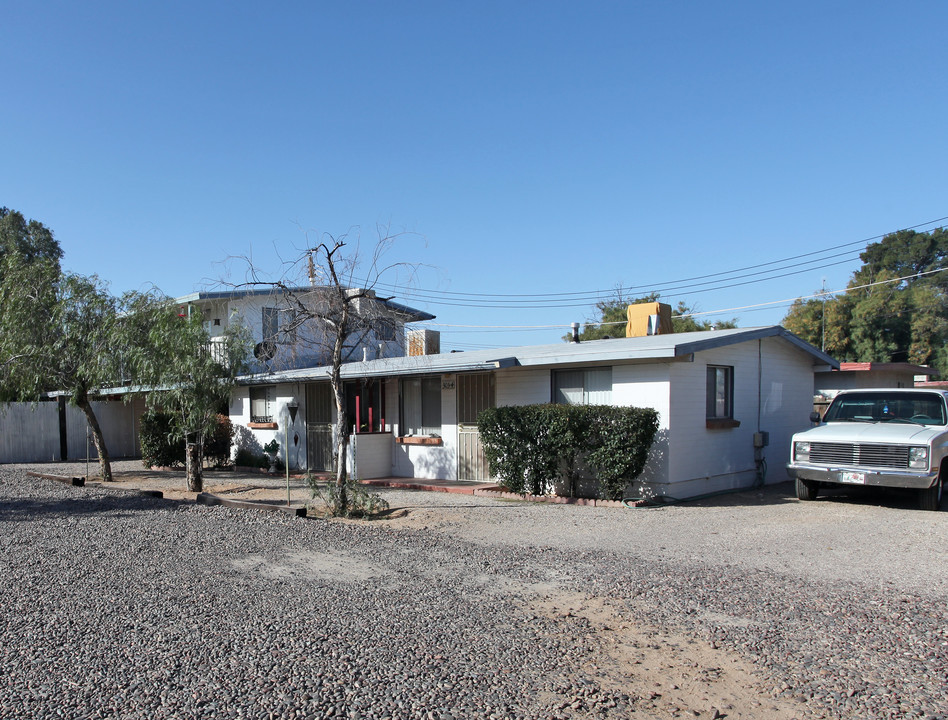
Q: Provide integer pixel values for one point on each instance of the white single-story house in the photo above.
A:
(728, 403)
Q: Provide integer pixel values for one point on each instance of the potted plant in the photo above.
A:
(272, 449)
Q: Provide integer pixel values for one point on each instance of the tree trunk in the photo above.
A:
(105, 465)
(341, 508)
(341, 451)
(194, 461)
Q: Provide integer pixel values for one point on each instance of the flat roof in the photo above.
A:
(658, 348)
(416, 314)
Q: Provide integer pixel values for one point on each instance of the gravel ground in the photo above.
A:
(750, 605)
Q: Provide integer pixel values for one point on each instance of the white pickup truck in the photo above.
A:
(886, 437)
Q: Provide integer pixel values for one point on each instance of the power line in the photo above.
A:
(756, 306)
(582, 298)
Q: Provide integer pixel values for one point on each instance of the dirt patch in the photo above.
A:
(670, 675)
(334, 567)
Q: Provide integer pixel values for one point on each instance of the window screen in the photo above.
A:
(421, 406)
(592, 386)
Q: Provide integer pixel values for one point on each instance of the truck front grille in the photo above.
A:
(860, 454)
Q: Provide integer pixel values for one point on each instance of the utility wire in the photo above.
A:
(577, 299)
(757, 306)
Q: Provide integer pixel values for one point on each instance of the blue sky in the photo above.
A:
(527, 149)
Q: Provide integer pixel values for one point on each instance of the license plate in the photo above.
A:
(853, 478)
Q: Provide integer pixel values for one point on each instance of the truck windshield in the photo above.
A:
(921, 408)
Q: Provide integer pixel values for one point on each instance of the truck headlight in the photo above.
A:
(918, 458)
(801, 452)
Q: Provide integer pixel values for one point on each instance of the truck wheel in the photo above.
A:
(930, 498)
(807, 489)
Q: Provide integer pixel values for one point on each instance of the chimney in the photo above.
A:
(575, 327)
(424, 342)
(648, 318)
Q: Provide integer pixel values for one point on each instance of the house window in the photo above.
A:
(365, 406)
(289, 326)
(592, 386)
(421, 406)
(385, 330)
(261, 404)
(720, 393)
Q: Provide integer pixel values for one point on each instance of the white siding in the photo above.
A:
(831, 382)
(310, 349)
(516, 386)
(370, 456)
(647, 386)
(705, 460)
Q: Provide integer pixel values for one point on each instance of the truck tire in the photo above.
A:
(930, 498)
(807, 489)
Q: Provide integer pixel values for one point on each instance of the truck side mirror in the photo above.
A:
(815, 417)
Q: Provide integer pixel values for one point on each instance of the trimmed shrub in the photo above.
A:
(162, 442)
(217, 444)
(533, 447)
(248, 458)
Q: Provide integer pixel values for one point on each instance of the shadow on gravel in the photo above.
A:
(870, 496)
(777, 494)
(18, 510)
(785, 492)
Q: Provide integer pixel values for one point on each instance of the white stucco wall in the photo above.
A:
(253, 439)
(433, 462)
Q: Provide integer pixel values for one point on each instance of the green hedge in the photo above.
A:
(532, 447)
(162, 442)
(217, 445)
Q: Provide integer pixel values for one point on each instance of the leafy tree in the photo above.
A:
(31, 241)
(181, 370)
(896, 308)
(613, 314)
(834, 336)
(56, 333)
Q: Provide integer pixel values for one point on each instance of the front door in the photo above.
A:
(475, 393)
(319, 427)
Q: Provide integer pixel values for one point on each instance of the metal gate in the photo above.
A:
(475, 393)
(319, 427)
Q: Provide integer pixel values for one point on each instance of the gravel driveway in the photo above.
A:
(749, 606)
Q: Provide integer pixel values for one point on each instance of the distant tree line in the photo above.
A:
(894, 310)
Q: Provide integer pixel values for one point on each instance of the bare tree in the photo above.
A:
(330, 292)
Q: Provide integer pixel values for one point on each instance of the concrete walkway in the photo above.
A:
(242, 487)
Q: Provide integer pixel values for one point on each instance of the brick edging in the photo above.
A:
(589, 502)
(208, 499)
